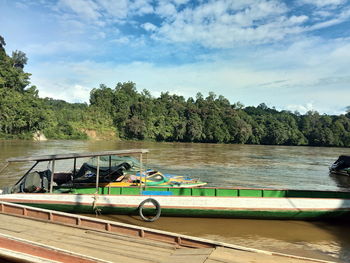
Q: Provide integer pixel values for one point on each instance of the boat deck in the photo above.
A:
(86, 244)
(94, 244)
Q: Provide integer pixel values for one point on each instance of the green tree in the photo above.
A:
(12, 75)
(19, 59)
(2, 43)
(102, 98)
(125, 96)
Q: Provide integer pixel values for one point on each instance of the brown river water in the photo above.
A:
(224, 166)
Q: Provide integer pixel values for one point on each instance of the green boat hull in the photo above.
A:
(281, 215)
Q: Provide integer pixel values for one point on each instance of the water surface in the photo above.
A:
(226, 166)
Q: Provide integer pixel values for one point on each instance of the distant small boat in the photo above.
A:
(341, 166)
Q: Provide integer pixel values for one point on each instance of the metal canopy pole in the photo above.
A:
(52, 175)
(141, 175)
(97, 174)
(27, 172)
(145, 175)
(75, 167)
(109, 174)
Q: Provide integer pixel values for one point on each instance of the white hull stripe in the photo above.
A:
(251, 203)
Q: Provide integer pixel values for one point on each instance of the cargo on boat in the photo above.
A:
(94, 188)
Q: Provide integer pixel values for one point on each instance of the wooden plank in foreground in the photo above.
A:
(20, 250)
(109, 241)
(224, 255)
(109, 248)
(186, 255)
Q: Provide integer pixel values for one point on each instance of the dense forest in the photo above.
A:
(126, 113)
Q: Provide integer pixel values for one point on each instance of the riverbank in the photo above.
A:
(107, 134)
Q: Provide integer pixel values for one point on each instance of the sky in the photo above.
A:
(293, 55)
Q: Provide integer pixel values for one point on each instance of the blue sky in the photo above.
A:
(294, 55)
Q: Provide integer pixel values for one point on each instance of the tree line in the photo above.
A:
(131, 114)
(213, 119)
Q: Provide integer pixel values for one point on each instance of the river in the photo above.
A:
(226, 165)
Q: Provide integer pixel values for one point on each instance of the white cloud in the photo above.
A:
(213, 24)
(85, 9)
(121, 40)
(297, 19)
(340, 18)
(291, 72)
(323, 3)
(103, 13)
(117, 9)
(22, 5)
(301, 108)
(141, 7)
(63, 91)
(166, 10)
(149, 27)
(225, 24)
(341, 52)
(80, 93)
(310, 70)
(57, 47)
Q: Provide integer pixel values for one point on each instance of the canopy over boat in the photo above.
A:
(108, 164)
(76, 155)
(115, 168)
(46, 175)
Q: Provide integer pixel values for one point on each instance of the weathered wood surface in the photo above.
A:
(113, 247)
(226, 255)
(108, 247)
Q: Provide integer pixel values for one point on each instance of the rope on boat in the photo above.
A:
(94, 205)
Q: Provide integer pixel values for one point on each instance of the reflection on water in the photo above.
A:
(225, 166)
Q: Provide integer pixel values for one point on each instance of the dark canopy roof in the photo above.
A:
(342, 162)
(76, 155)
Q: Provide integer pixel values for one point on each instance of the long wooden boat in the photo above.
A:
(179, 201)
